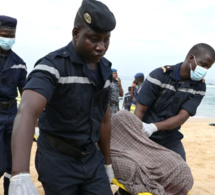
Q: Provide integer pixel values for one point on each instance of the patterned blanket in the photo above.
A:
(142, 165)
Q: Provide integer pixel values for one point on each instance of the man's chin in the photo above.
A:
(95, 60)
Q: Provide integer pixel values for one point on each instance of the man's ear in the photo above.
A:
(75, 33)
(190, 58)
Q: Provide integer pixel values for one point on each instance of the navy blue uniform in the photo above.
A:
(76, 105)
(136, 93)
(12, 75)
(165, 95)
(134, 100)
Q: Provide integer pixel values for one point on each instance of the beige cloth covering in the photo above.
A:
(142, 165)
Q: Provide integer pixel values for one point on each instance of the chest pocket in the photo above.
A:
(74, 98)
(164, 101)
(9, 79)
(175, 105)
(80, 98)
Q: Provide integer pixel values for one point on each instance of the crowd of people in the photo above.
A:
(72, 95)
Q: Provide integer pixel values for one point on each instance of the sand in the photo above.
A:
(199, 143)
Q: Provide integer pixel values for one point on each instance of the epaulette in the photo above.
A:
(167, 68)
(63, 53)
(51, 56)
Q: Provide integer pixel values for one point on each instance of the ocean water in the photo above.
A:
(205, 110)
(207, 107)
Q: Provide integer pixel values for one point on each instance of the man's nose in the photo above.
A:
(100, 46)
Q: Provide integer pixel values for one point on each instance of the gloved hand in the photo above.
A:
(109, 171)
(148, 129)
(21, 184)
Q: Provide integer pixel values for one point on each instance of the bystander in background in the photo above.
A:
(116, 92)
(136, 87)
(12, 76)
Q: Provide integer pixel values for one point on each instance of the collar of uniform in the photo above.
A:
(13, 56)
(175, 74)
(140, 85)
(105, 66)
(2, 55)
(74, 57)
(114, 81)
(190, 82)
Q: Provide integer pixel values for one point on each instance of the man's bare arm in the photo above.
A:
(32, 104)
(174, 121)
(167, 124)
(140, 110)
(105, 135)
(120, 87)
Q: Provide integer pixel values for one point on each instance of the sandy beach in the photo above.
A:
(199, 142)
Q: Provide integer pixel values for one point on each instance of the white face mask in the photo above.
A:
(6, 43)
(199, 73)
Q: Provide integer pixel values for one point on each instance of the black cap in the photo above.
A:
(7, 22)
(97, 16)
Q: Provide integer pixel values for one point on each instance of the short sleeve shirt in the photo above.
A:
(75, 108)
(13, 73)
(165, 95)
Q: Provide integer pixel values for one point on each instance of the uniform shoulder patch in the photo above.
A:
(167, 68)
(62, 53)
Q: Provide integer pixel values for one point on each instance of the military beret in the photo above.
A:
(8, 22)
(97, 16)
(138, 75)
(114, 70)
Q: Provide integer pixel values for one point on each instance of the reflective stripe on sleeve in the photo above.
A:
(19, 66)
(49, 69)
(162, 85)
(171, 87)
(107, 84)
(187, 90)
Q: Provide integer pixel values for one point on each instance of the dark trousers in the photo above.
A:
(6, 124)
(62, 174)
(175, 145)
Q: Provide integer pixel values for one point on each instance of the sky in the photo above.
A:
(148, 34)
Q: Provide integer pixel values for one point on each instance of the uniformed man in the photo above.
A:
(116, 92)
(135, 90)
(127, 100)
(171, 94)
(12, 75)
(69, 89)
